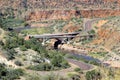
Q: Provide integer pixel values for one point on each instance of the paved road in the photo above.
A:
(82, 65)
(88, 24)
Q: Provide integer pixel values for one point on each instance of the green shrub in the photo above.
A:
(53, 77)
(3, 71)
(33, 77)
(41, 67)
(18, 63)
(14, 74)
(10, 74)
(23, 48)
(93, 75)
(77, 69)
(74, 76)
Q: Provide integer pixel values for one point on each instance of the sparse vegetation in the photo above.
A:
(77, 70)
(58, 17)
(74, 76)
(10, 74)
(93, 75)
(57, 62)
(98, 54)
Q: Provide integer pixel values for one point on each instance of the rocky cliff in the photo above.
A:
(59, 9)
(109, 34)
(67, 14)
(59, 4)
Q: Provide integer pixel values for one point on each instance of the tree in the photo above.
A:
(91, 31)
(111, 73)
(57, 60)
(3, 71)
(93, 75)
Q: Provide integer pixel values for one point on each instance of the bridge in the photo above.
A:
(57, 35)
(61, 37)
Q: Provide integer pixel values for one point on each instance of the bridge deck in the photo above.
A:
(59, 36)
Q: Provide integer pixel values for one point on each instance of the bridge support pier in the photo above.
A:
(68, 40)
(44, 40)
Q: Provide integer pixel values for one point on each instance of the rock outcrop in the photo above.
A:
(68, 14)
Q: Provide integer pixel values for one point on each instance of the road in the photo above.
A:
(88, 24)
(81, 65)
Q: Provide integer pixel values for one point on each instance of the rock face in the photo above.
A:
(108, 35)
(60, 9)
(67, 14)
(59, 4)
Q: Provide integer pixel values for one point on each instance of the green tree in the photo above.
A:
(57, 60)
(93, 75)
(111, 73)
(3, 71)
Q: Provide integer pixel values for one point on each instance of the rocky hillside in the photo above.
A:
(68, 14)
(55, 9)
(109, 33)
(59, 4)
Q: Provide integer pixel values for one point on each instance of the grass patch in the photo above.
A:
(98, 54)
(37, 31)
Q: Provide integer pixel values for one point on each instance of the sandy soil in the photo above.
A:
(72, 49)
(1, 34)
(101, 22)
(5, 61)
(63, 72)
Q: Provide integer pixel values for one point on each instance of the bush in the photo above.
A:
(23, 48)
(59, 61)
(33, 77)
(92, 32)
(74, 76)
(18, 63)
(77, 69)
(10, 74)
(14, 74)
(3, 71)
(41, 67)
(93, 75)
(94, 62)
(1, 43)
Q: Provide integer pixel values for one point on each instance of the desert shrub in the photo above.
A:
(41, 67)
(77, 69)
(59, 61)
(14, 74)
(1, 43)
(23, 48)
(33, 77)
(92, 32)
(10, 54)
(93, 75)
(94, 62)
(53, 77)
(3, 71)
(10, 74)
(74, 76)
(18, 63)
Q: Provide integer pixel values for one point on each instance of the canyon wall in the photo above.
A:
(59, 4)
(68, 14)
(60, 9)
